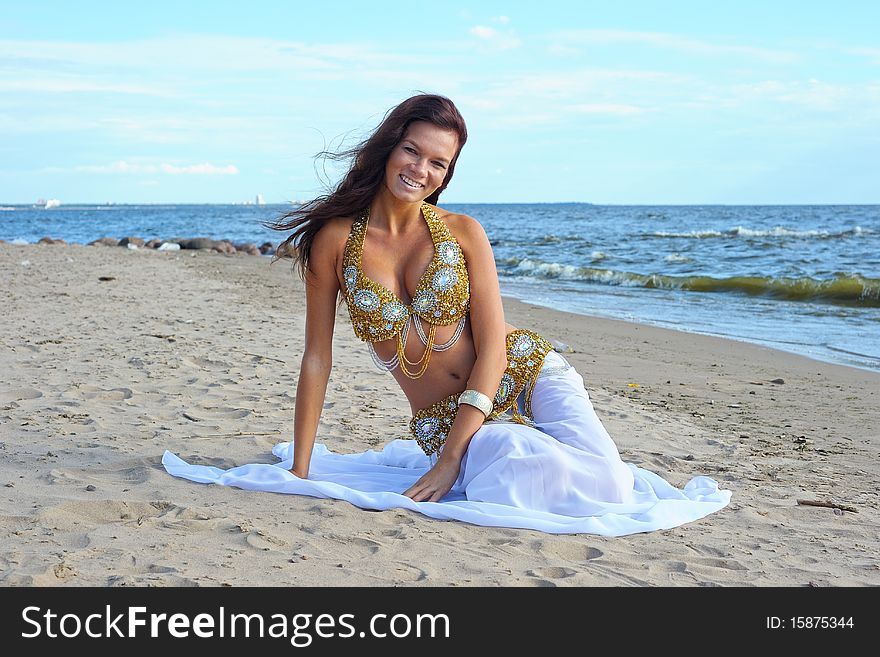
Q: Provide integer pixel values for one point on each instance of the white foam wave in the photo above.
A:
(693, 233)
(777, 231)
(537, 269)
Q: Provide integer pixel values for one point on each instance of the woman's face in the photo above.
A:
(418, 164)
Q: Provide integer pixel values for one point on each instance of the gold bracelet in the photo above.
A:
(476, 399)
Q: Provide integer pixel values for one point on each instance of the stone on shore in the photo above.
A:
(105, 241)
(130, 242)
(206, 243)
(247, 247)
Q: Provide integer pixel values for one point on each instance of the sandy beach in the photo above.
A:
(111, 356)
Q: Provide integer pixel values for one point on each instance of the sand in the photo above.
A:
(198, 353)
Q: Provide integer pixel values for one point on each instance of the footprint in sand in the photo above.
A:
(95, 393)
(367, 545)
(65, 476)
(571, 551)
(18, 394)
(539, 582)
(205, 363)
(152, 579)
(409, 573)
(551, 572)
(663, 461)
(261, 541)
(156, 568)
(137, 474)
(223, 413)
(401, 533)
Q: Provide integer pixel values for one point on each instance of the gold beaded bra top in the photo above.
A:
(441, 298)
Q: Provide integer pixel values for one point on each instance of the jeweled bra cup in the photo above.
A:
(525, 356)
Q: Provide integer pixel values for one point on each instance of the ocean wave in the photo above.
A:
(511, 239)
(778, 231)
(848, 289)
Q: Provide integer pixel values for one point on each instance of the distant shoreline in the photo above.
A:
(446, 203)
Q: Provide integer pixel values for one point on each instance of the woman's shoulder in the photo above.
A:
(335, 230)
(331, 238)
(463, 227)
(459, 223)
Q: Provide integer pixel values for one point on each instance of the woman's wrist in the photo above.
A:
(450, 455)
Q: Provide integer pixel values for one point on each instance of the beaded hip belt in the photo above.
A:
(525, 356)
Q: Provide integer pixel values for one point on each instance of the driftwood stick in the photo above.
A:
(828, 504)
(277, 360)
(235, 435)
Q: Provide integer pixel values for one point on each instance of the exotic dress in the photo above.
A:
(542, 460)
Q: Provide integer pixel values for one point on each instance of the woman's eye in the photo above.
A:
(439, 165)
(409, 150)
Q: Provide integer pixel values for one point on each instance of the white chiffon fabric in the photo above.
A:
(564, 476)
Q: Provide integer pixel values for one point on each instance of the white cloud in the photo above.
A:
(674, 42)
(124, 167)
(50, 85)
(195, 52)
(211, 169)
(871, 53)
(491, 37)
(484, 32)
(616, 109)
(812, 94)
(532, 99)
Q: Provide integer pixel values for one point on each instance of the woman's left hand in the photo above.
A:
(435, 483)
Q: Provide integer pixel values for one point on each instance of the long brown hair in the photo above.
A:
(366, 174)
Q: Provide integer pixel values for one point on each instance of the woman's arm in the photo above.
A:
(487, 327)
(489, 332)
(322, 289)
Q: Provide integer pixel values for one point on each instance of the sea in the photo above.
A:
(800, 278)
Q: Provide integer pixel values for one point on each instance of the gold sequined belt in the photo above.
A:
(525, 356)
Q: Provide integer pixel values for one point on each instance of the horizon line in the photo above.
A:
(32, 205)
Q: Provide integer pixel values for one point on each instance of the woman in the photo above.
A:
(504, 432)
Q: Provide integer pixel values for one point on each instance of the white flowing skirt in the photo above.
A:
(564, 476)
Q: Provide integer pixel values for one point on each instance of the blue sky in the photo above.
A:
(639, 103)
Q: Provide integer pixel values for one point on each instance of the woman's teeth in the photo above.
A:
(410, 182)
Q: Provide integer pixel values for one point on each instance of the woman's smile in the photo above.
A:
(409, 182)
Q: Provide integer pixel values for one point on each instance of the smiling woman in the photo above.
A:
(503, 431)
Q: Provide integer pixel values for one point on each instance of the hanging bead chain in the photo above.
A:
(446, 345)
(385, 365)
(424, 360)
(393, 362)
